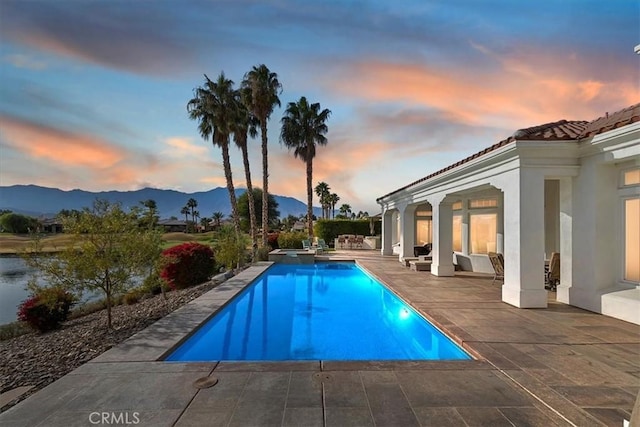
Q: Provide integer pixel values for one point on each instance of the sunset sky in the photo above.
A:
(93, 94)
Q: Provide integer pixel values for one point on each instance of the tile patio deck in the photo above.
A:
(554, 366)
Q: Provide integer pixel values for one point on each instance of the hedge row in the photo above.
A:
(329, 229)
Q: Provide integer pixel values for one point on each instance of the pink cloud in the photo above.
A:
(67, 148)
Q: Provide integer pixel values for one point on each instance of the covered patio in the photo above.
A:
(567, 187)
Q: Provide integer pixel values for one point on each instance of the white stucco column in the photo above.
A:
(524, 238)
(387, 232)
(407, 231)
(500, 225)
(442, 259)
(465, 226)
(566, 240)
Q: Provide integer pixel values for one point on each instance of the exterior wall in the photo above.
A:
(554, 196)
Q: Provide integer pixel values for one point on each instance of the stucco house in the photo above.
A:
(571, 187)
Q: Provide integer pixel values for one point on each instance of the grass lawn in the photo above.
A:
(16, 243)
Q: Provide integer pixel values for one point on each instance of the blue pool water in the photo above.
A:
(323, 311)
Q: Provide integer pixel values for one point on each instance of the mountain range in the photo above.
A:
(39, 201)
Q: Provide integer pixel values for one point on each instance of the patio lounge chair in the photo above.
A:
(306, 244)
(322, 245)
(553, 275)
(497, 262)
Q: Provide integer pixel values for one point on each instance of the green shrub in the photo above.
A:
(263, 253)
(132, 297)
(152, 284)
(187, 264)
(291, 239)
(329, 229)
(46, 309)
(231, 250)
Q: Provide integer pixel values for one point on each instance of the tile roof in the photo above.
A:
(562, 130)
(612, 121)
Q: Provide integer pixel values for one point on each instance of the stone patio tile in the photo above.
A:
(137, 392)
(531, 417)
(213, 417)
(263, 401)
(47, 401)
(304, 391)
(348, 417)
(610, 416)
(611, 333)
(157, 418)
(480, 417)
(259, 413)
(584, 371)
(389, 405)
(488, 352)
(458, 389)
(438, 417)
(552, 398)
(226, 393)
(549, 376)
(308, 417)
(519, 358)
(344, 389)
(589, 396)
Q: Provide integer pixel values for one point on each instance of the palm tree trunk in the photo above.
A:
(265, 183)
(309, 191)
(252, 206)
(232, 192)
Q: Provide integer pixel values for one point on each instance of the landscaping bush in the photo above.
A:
(272, 240)
(46, 309)
(187, 264)
(231, 249)
(291, 239)
(329, 229)
(263, 253)
(133, 296)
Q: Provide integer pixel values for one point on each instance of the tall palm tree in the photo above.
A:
(333, 200)
(322, 191)
(303, 127)
(212, 106)
(260, 90)
(185, 211)
(243, 126)
(217, 219)
(192, 204)
(345, 210)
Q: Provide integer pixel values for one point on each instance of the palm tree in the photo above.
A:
(244, 125)
(322, 191)
(192, 204)
(217, 219)
(304, 126)
(260, 90)
(333, 200)
(212, 105)
(185, 211)
(345, 210)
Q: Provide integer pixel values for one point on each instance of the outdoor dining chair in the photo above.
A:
(497, 262)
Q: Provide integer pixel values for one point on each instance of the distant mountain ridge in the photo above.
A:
(40, 201)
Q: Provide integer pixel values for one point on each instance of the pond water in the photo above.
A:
(14, 276)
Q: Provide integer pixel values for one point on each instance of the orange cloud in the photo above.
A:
(45, 142)
(520, 95)
(181, 146)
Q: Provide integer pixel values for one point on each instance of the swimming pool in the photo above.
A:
(322, 311)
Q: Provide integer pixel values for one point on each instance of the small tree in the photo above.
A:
(107, 249)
